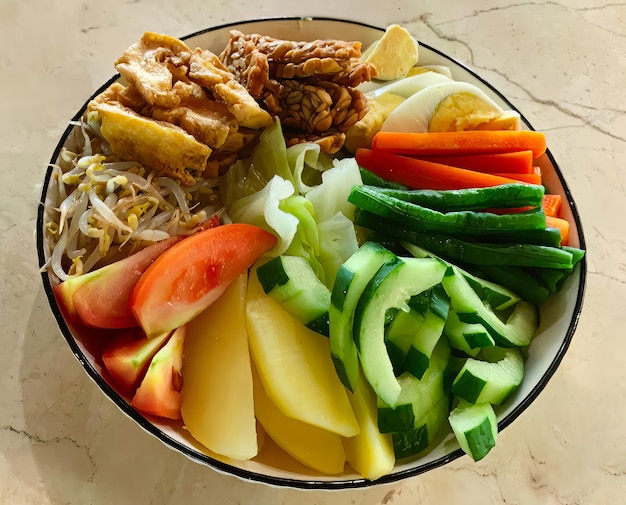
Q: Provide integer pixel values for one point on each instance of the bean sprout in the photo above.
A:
(100, 208)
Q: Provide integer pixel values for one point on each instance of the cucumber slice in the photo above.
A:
(495, 296)
(392, 286)
(518, 330)
(491, 381)
(466, 337)
(350, 282)
(475, 428)
(410, 443)
(291, 281)
(419, 354)
(417, 396)
(400, 335)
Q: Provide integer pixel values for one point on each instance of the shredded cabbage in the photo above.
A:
(300, 195)
(262, 209)
(338, 241)
(331, 196)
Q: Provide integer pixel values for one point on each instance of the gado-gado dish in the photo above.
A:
(312, 248)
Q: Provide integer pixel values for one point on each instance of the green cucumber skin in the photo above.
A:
(493, 295)
(320, 324)
(504, 196)
(291, 281)
(475, 427)
(492, 381)
(412, 442)
(459, 221)
(418, 395)
(369, 293)
(519, 329)
(350, 281)
(480, 440)
(272, 274)
(341, 286)
(424, 343)
(469, 386)
(394, 283)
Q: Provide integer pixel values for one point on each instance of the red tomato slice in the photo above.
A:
(159, 392)
(128, 356)
(192, 274)
(100, 298)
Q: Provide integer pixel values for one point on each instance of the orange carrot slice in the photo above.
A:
(528, 178)
(419, 174)
(551, 205)
(519, 162)
(561, 224)
(461, 143)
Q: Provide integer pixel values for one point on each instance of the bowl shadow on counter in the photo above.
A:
(86, 451)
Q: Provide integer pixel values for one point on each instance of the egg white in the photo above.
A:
(414, 114)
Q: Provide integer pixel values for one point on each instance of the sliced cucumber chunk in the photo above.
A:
(417, 396)
(350, 282)
(411, 442)
(291, 281)
(517, 331)
(475, 428)
(468, 338)
(495, 296)
(491, 381)
(399, 336)
(428, 335)
(396, 281)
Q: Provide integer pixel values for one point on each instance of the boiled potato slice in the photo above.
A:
(217, 398)
(295, 366)
(370, 453)
(314, 447)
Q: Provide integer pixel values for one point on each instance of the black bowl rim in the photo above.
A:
(247, 474)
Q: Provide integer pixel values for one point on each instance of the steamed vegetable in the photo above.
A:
(463, 143)
(217, 404)
(419, 174)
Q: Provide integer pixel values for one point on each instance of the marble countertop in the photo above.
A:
(562, 63)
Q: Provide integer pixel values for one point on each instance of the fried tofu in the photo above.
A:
(182, 113)
(150, 66)
(166, 148)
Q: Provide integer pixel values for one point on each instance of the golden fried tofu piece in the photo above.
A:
(208, 121)
(241, 104)
(153, 66)
(166, 148)
(128, 96)
(206, 69)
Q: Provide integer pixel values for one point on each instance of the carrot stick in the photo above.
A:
(551, 205)
(528, 178)
(463, 142)
(519, 162)
(561, 224)
(419, 174)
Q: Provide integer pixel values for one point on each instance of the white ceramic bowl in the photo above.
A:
(559, 315)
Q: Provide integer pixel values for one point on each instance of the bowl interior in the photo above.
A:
(559, 316)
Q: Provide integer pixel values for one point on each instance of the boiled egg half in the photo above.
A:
(450, 106)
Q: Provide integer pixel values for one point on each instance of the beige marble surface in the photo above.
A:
(563, 63)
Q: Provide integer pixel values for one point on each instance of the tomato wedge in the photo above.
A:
(128, 356)
(159, 392)
(192, 274)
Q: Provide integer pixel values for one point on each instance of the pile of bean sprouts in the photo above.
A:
(100, 209)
